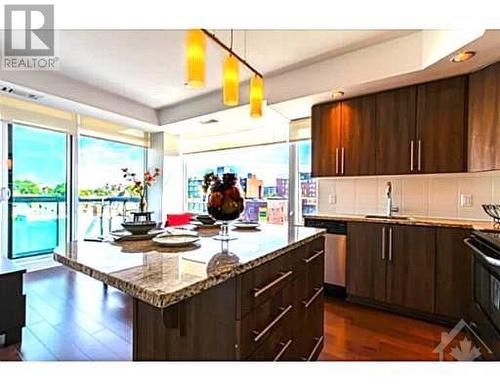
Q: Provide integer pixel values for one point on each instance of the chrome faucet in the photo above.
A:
(388, 193)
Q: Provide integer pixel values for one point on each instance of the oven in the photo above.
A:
(485, 310)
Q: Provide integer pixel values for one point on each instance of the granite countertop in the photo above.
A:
(412, 220)
(165, 276)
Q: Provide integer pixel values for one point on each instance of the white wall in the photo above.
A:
(419, 195)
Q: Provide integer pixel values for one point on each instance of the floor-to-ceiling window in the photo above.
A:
(263, 176)
(37, 217)
(307, 187)
(104, 200)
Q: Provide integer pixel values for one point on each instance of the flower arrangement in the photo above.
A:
(139, 187)
(225, 202)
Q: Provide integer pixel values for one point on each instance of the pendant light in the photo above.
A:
(196, 53)
(256, 96)
(231, 83)
(231, 79)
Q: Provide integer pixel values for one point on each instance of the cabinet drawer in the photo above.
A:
(262, 283)
(11, 286)
(310, 317)
(280, 344)
(14, 314)
(272, 315)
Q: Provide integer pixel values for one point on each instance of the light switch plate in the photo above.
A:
(332, 199)
(465, 200)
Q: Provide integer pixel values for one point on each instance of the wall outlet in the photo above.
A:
(465, 200)
(332, 199)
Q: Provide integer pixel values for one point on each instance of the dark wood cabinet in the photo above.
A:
(366, 267)
(423, 271)
(410, 267)
(359, 137)
(12, 302)
(325, 129)
(416, 129)
(484, 119)
(395, 128)
(453, 274)
(271, 312)
(441, 144)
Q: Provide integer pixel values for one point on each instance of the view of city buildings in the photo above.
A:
(263, 203)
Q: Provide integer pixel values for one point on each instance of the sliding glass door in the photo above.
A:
(37, 178)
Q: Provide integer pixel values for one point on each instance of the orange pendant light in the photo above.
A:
(256, 96)
(231, 82)
(195, 58)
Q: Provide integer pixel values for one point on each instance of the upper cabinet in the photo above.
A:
(441, 144)
(416, 129)
(484, 119)
(325, 136)
(395, 124)
(357, 154)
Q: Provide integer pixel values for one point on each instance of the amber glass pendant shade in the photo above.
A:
(195, 58)
(256, 96)
(231, 82)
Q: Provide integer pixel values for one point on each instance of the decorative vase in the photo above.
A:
(143, 205)
(225, 204)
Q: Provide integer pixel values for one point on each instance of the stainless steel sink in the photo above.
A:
(395, 217)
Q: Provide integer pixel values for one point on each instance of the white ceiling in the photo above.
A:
(147, 66)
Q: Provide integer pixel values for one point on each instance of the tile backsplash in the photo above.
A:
(440, 195)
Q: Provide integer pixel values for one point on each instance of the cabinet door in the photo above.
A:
(366, 267)
(441, 126)
(484, 123)
(358, 136)
(453, 273)
(410, 267)
(325, 137)
(395, 127)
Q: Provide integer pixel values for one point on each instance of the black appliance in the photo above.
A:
(485, 310)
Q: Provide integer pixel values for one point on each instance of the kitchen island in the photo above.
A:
(257, 297)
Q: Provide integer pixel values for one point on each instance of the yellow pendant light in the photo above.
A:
(231, 85)
(196, 53)
(256, 96)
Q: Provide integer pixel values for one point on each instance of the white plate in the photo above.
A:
(246, 225)
(123, 235)
(175, 240)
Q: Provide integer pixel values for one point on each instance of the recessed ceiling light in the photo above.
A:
(462, 56)
(337, 94)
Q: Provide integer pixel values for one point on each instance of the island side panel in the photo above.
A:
(199, 328)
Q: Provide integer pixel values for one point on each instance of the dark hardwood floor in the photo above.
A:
(72, 317)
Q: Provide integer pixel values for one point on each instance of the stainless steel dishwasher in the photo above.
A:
(335, 253)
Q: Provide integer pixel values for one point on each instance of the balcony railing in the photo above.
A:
(39, 222)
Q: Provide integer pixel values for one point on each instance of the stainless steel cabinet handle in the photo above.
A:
(342, 160)
(419, 155)
(319, 340)
(315, 256)
(336, 161)
(264, 331)
(390, 244)
(383, 243)
(411, 155)
(283, 350)
(308, 303)
(260, 291)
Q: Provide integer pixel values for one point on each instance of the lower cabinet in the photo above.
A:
(412, 269)
(271, 312)
(288, 322)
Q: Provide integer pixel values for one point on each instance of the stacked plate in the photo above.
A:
(176, 238)
(246, 225)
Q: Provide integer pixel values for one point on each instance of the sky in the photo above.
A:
(40, 156)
